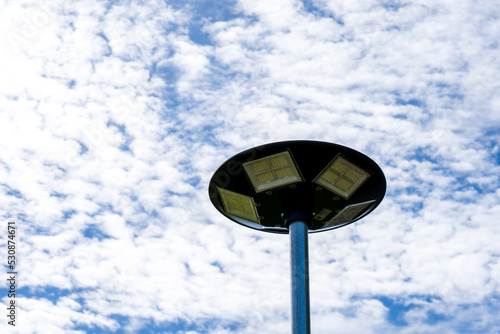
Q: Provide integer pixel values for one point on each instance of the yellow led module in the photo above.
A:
(272, 172)
(342, 177)
(348, 214)
(239, 205)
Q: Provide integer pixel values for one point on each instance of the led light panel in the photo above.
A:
(272, 172)
(239, 205)
(348, 214)
(342, 177)
(322, 214)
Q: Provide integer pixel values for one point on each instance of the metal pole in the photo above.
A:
(299, 263)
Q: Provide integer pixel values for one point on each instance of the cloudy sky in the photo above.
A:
(115, 114)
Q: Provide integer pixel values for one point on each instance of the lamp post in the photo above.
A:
(296, 188)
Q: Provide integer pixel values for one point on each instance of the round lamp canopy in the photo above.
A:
(329, 184)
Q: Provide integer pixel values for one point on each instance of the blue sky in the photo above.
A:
(115, 114)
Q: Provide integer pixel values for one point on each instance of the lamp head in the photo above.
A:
(266, 187)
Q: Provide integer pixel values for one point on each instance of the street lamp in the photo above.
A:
(296, 188)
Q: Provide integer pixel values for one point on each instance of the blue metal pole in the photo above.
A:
(299, 263)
